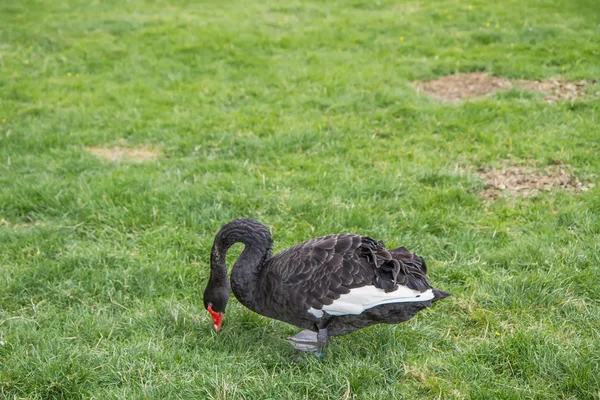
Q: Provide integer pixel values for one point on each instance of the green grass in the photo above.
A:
(301, 115)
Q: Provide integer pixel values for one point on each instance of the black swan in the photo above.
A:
(330, 286)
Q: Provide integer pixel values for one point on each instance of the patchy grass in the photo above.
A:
(119, 153)
(302, 115)
(457, 87)
(529, 181)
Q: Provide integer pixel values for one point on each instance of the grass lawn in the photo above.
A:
(303, 115)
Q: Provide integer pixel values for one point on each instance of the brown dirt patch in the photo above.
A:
(463, 86)
(459, 87)
(555, 90)
(528, 181)
(118, 154)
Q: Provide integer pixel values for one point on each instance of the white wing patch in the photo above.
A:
(365, 297)
(315, 312)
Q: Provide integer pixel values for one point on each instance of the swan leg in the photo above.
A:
(322, 339)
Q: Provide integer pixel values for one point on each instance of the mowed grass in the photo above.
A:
(301, 115)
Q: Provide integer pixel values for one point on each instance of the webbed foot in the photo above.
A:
(310, 341)
(305, 341)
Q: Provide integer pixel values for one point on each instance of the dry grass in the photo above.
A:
(528, 181)
(119, 154)
(458, 87)
(555, 90)
(22, 225)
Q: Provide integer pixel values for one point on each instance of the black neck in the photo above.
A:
(258, 241)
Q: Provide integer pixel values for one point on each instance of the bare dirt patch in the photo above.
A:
(528, 181)
(555, 90)
(118, 154)
(459, 87)
(463, 86)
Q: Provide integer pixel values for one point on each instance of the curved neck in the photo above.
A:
(258, 241)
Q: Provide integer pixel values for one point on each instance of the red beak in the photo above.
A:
(216, 316)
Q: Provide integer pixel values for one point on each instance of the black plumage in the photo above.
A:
(312, 275)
